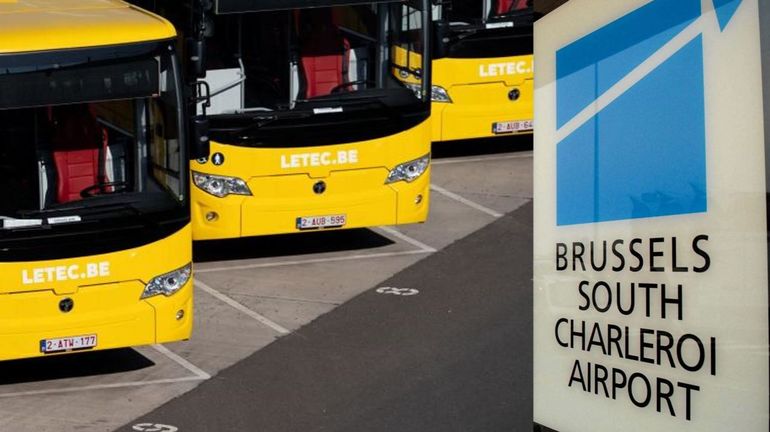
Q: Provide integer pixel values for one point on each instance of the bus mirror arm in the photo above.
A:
(203, 95)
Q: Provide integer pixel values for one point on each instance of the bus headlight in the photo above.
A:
(439, 94)
(409, 171)
(220, 186)
(169, 283)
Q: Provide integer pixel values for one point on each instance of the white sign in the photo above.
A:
(650, 241)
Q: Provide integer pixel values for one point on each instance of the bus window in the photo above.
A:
(116, 140)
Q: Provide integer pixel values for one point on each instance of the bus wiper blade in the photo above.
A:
(262, 121)
(48, 217)
(81, 205)
(104, 208)
(89, 211)
(460, 34)
(258, 121)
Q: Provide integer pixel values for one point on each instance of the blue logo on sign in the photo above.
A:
(631, 117)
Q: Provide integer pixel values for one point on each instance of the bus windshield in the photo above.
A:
(91, 140)
(482, 29)
(292, 64)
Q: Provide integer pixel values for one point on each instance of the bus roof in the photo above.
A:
(44, 25)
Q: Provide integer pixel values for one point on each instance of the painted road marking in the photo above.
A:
(182, 362)
(465, 201)
(310, 261)
(154, 427)
(401, 236)
(299, 300)
(235, 305)
(397, 291)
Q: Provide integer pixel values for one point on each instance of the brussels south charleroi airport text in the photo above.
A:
(647, 345)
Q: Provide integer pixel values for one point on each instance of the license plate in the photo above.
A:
(73, 343)
(319, 222)
(513, 126)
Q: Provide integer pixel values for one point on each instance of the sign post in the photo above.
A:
(650, 242)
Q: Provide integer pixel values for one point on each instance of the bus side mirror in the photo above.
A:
(197, 58)
(200, 145)
(439, 39)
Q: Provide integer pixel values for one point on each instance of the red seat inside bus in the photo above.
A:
(78, 146)
(505, 6)
(324, 55)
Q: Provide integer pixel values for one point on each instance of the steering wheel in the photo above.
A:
(100, 187)
(339, 87)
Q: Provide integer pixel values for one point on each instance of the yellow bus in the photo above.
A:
(95, 238)
(482, 69)
(319, 118)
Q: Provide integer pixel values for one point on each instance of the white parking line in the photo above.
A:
(235, 305)
(100, 387)
(465, 201)
(182, 362)
(300, 300)
(310, 261)
(522, 155)
(401, 236)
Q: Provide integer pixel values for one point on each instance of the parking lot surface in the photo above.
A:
(420, 327)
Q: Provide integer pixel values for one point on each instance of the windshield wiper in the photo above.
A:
(79, 205)
(107, 208)
(261, 121)
(459, 34)
(258, 121)
(78, 212)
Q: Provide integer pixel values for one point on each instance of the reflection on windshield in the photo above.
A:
(469, 12)
(277, 60)
(466, 29)
(60, 162)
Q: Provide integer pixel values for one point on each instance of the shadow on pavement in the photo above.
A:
(72, 366)
(479, 147)
(287, 245)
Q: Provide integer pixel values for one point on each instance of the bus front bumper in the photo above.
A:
(279, 201)
(475, 109)
(112, 312)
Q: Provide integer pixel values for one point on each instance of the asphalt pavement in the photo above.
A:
(443, 345)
